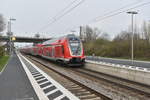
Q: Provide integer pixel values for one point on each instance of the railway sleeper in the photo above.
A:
(91, 96)
(83, 93)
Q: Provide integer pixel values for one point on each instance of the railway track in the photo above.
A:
(89, 85)
(81, 91)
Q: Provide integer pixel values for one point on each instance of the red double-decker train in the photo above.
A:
(67, 50)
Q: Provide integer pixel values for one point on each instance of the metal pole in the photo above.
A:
(80, 34)
(10, 36)
(132, 52)
(11, 19)
(149, 30)
(132, 37)
(9, 45)
(10, 26)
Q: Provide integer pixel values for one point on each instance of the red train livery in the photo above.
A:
(67, 49)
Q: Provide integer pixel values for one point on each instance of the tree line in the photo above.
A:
(2, 27)
(99, 43)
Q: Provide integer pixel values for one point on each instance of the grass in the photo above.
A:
(3, 61)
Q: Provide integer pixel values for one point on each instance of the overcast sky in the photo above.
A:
(32, 15)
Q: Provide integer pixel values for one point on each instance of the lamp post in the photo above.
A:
(149, 30)
(132, 37)
(9, 32)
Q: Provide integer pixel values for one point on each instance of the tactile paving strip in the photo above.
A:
(47, 86)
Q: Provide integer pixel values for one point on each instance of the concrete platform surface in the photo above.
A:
(14, 84)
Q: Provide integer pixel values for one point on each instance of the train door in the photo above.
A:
(44, 51)
(42, 54)
(63, 51)
(53, 51)
(40, 51)
(50, 51)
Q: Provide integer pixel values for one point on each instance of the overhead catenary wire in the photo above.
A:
(53, 18)
(70, 9)
(117, 13)
(70, 4)
(65, 12)
(128, 5)
(113, 13)
(108, 13)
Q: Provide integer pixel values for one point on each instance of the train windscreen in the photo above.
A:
(75, 46)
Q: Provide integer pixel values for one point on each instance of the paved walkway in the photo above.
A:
(14, 84)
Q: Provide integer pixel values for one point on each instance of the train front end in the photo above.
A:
(77, 57)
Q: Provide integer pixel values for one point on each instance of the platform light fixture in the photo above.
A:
(10, 33)
(132, 37)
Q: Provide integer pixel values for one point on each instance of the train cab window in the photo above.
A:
(75, 45)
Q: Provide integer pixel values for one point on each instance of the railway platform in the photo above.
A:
(14, 84)
(22, 80)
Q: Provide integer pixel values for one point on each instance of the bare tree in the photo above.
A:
(136, 32)
(149, 32)
(91, 34)
(125, 35)
(96, 33)
(146, 32)
(105, 36)
(88, 34)
(2, 23)
(2, 27)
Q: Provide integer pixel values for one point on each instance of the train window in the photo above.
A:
(75, 45)
(62, 49)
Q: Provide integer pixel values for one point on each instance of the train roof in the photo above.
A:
(55, 40)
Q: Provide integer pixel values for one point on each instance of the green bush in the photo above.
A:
(118, 49)
(1, 51)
